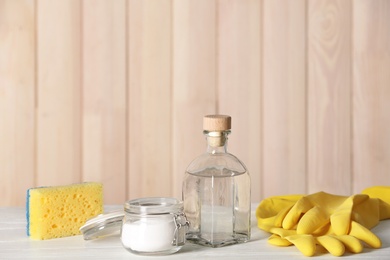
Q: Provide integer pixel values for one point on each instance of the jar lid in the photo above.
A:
(103, 225)
(154, 206)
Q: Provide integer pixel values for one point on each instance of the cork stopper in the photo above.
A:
(216, 123)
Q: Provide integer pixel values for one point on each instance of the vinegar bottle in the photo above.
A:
(216, 191)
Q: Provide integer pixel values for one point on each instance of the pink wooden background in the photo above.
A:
(115, 92)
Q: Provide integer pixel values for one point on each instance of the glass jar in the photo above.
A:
(154, 226)
(216, 191)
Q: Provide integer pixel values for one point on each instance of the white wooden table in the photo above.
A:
(14, 244)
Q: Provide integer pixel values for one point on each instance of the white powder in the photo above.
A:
(149, 234)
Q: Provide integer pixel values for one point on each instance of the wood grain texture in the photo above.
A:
(17, 100)
(194, 80)
(115, 91)
(371, 93)
(239, 81)
(329, 96)
(284, 97)
(150, 97)
(104, 97)
(59, 92)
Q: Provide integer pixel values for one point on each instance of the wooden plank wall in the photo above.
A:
(115, 92)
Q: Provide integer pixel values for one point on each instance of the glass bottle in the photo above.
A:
(216, 191)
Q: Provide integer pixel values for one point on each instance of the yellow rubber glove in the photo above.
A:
(316, 210)
(272, 211)
(307, 243)
(323, 215)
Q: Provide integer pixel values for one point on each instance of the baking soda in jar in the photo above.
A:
(154, 226)
(149, 234)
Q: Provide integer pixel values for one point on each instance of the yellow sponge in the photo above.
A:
(60, 211)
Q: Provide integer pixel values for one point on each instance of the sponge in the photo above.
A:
(60, 211)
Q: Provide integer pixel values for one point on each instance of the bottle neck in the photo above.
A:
(217, 141)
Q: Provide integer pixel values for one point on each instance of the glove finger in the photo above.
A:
(271, 222)
(333, 245)
(271, 212)
(340, 222)
(365, 235)
(305, 243)
(341, 217)
(278, 241)
(293, 216)
(352, 244)
(281, 215)
(313, 219)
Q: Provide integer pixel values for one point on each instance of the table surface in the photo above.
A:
(14, 244)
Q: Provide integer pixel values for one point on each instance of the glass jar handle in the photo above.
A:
(182, 226)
